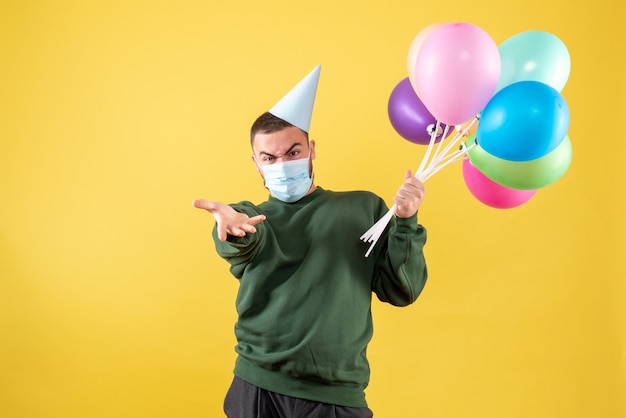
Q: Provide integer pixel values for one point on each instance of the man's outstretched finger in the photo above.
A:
(221, 232)
(256, 219)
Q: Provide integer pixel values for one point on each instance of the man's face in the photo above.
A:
(285, 145)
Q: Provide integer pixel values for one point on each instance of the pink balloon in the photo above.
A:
(491, 193)
(457, 70)
(414, 48)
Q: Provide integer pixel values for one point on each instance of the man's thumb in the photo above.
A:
(202, 204)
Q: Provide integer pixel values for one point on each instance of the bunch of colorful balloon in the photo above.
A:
(497, 109)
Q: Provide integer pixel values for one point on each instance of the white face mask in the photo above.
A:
(288, 181)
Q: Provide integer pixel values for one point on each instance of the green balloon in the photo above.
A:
(522, 175)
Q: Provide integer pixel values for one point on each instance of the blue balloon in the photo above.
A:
(523, 121)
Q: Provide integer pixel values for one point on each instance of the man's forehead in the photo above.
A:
(279, 148)
(282, 141)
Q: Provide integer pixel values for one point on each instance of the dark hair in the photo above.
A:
(268, 123)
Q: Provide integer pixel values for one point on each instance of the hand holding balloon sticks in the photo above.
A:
(442, 155)
(454, 70)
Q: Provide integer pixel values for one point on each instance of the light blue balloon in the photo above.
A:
(523, 121)
(534, 56)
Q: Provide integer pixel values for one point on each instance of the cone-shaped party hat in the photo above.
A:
(296, 107)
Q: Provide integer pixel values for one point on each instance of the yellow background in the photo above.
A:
(115, 114)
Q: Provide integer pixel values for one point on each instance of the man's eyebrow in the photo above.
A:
(287, 152)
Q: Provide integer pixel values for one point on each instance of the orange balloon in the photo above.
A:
(416, 44)
(467, 128)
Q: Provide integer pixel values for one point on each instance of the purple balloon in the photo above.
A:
(408, 115)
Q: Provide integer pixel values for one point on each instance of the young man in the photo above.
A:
(305, 286)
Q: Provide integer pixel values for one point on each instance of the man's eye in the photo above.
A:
(294, 153)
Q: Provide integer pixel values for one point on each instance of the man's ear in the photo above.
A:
(312, 148)
(255, 164)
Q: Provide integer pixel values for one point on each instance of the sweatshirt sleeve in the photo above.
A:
(238, 251)
(401, 268)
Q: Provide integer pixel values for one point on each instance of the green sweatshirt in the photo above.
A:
(305, 291)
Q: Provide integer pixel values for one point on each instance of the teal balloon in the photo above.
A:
(522, 175)
(534, 56)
